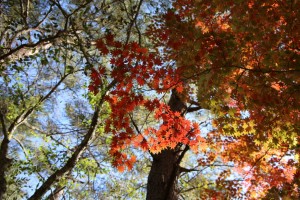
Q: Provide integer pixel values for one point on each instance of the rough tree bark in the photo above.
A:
(4, 164)
(165, 169)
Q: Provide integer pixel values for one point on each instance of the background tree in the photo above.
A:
(46, 47)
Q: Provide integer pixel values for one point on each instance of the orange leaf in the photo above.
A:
(121, 168)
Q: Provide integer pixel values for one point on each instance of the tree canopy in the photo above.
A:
(201, 96)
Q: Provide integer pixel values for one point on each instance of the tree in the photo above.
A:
(234, 63)
(242, 59)
(46, 47)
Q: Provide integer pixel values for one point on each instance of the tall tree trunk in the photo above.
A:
(4, 165)
(4, 160)
(163, 176)
(162, 179)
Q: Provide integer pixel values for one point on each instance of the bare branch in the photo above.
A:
(133, 21)
(21, 145)
(81, 47)
(45, 17)
(95, 159)
(134, 124)
(25, 114)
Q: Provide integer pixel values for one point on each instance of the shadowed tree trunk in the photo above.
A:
(162, 179)
(4, 164)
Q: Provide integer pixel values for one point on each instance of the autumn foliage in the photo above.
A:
(237, 59)
(132, 66)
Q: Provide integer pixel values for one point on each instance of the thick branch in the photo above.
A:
(182, 169)
(70, 164)
(72, 160)
(31, 45)
(193, 109)
(48, 39)
(175, 171)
